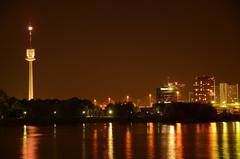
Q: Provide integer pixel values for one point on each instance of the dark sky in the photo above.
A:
(96, 49)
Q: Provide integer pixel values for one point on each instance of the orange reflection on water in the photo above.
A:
(213, 138)
(150, 139)
(198, 128)
(171, 143)
(54, 130)
(128, 144)
(237, 124)
(225, 140)
(110, 141)
(179, 153)
(84, 141)
(95, 143)
(30, 142)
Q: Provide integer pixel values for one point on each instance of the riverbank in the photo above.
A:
(44, 112)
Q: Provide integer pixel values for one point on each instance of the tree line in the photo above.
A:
(75, 109)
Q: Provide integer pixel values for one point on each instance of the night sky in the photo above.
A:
(96, 49)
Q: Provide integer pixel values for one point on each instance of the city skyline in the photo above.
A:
(120, 79)
(91, 55)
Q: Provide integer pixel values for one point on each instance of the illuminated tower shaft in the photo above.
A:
(30, 58)
(30, 84)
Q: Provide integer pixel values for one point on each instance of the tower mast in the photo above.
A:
(30, 57)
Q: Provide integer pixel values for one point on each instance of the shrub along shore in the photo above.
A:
(74, 110)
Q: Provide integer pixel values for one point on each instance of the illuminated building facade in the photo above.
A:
(166, 94)
(217, 94)
(172, 92)
(228, 94)
(204, 89)
(182, 94)
(233, 93)
(30, 57)
(190, 97)
(223, 94)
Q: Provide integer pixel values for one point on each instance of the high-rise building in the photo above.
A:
(30, 57)
(223, 94)
(182, 94)
(228, 94)
(233, 93)
(190, 97)
(204, 89)
(172, 92)
(217, 95)
(166, 94)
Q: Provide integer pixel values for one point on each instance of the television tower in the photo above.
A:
(30, 58)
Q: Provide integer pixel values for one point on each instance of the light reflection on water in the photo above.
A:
(110, 141)
(128, 144)
(30, 142)
(150, 139)
(225, 140)
(116, 140)
(213, 138)
(83, 141)
(171, 142)
(95, 143)
(236, 132)
(179, 146)
(237, 124)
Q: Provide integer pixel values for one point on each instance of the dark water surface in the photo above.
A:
(121, 140)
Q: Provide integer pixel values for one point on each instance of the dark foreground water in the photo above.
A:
(121, 140)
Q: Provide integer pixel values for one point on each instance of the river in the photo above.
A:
(121, 140)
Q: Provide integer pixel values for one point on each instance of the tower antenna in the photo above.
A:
(30, 29)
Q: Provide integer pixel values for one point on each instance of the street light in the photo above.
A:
(224, 104)
(127, 99)
(95, 102)
(150, 99)
(109, 100)
(213, 102)
(177, 93)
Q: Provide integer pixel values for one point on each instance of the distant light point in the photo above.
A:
(30, 28)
